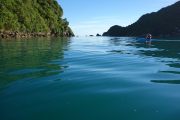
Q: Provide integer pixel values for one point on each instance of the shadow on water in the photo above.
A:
(30, 58)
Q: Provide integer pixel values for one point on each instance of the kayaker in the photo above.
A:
(148, 38)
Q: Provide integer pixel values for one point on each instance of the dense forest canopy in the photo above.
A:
(29, 16)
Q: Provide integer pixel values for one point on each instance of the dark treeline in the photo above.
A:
(32, 18)
(164, 23)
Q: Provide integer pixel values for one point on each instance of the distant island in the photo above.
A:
(164, 23)
(32, 18)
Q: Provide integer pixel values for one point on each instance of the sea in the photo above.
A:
(89, 78)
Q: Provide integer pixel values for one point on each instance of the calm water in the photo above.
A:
(97, 78)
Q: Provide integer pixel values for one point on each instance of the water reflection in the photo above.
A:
(166, 81)
(166, 49)
(168, 53)
(162, 51)
(158, 49)
(31, 58)
(113, 77)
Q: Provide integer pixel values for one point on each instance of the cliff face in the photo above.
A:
(164, 23)
(32, 18)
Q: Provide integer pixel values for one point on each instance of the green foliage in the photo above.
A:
(8, 21)
(32, 16)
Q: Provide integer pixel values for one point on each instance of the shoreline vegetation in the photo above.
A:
(10, 34)
(32, 18)
(43, 18)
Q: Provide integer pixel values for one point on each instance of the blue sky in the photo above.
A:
(97, 16)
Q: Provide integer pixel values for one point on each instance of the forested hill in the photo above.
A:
(24, 18)
(164, 23)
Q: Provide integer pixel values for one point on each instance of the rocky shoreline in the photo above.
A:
(34, 34)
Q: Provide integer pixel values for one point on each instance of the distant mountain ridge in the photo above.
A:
(25, 18)
(164, 23)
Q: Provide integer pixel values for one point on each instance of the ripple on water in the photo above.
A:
(89, 78)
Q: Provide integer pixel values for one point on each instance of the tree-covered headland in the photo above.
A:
(26, 18)
(163, 23)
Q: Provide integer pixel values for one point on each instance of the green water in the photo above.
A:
(90, 78)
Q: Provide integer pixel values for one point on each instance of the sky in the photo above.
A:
(89, 17)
